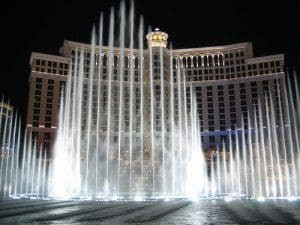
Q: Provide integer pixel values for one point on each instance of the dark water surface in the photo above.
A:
(25, 211)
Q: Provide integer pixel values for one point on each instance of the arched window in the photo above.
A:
(104, 60)
(210, 60)
(184, 62)
(136, 62)
(189, 62)
(199, 61)
(221, 62)
(126, 61)
(116, 60)
(216, 61)
(174, 63)
(195, 61)
(205, 61)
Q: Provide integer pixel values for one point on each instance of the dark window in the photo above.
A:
(49, 100)
(34, 135)
(35, 117)
(38, 86)
(50, 81)
(38, 80)
(48, 106)
(36, 111)
(37, 105)
(47, 136)
(243, 102)
(38, 92)
(211, 139)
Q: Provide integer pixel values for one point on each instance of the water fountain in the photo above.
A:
(135, 134)
(126, 143)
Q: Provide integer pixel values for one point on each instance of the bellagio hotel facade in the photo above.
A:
(228, 82)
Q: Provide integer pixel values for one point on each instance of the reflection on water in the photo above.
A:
(153, 213)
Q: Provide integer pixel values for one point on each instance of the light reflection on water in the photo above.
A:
(156, 213)
(63, 210)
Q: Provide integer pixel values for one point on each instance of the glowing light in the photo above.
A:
(15, 197)
(261, 199)
(293, 198)
(114, 198)
(228, 198)
(195, 199)
(138, 199)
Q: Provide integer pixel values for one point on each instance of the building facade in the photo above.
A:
(6, 113)
(228, 83)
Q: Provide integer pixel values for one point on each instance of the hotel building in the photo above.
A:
(6, 113)
(228, 82)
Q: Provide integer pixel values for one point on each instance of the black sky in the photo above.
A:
(42, 26)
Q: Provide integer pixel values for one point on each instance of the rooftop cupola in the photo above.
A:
(157, 38)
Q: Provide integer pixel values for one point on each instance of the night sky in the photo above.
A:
(42, 26)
